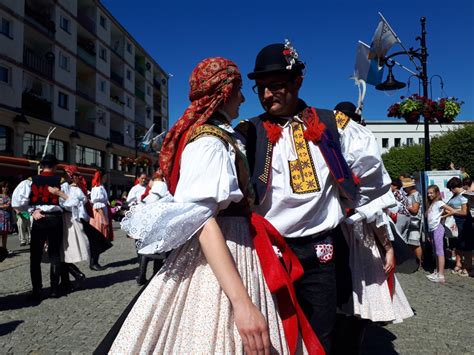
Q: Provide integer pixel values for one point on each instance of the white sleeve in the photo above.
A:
(97, 197)
(131, 195)
(361, 151)
(159, 188)
(208, 174)
(21, 195)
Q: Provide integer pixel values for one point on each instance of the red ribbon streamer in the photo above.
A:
(280, 282)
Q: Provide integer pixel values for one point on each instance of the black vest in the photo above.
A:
(259, 152)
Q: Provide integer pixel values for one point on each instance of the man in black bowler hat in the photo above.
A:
(303, 183)
(349, 109)
(35, 195)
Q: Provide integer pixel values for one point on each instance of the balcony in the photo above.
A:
(140, 69)
(156, 84)
(84, 124)
(40, 19)
(140, 119)
(116, 137)
(157, 105)
(86, 55)
(140, 94)
(118, 48)
(116, 104)
(85, 91)
(86, 22)
(38, 63)
(36, 106)
(116, 78)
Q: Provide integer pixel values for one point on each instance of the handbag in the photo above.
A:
(415, 224)
(451, 227)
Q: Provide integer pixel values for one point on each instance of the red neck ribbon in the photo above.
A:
(314, 127)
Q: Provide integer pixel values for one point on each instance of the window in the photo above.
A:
(129, 102)
(398, 142)
(102, 85)
(103, 21)
(6, 28)
(409, 141)
(148, 90)
(103, 53)
(129, 47)
(65, 24)
(63, 100)
(5, 135)
(384, 142)
(421, 141)
(89, 156)
(33, 146)
(64, 61)
(129, 74)
(4, 74)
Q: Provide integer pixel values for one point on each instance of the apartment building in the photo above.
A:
(70, 64)
(398, 133)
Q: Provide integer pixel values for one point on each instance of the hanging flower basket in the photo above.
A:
(143, 161)
(412, 108)
(127, 161)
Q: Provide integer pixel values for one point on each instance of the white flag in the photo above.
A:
(384, 38)
(146, 140)
(157, 142)
(366, 69)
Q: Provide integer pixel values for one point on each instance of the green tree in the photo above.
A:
(455, 146)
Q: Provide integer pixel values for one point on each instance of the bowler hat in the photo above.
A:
(349, 109)
(275, 58)
(49, 159)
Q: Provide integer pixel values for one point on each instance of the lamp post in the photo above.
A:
(421, 54)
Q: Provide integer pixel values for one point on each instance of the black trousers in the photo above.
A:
(49, 228)
(317, 291)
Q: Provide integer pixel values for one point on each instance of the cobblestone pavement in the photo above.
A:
(76, 323)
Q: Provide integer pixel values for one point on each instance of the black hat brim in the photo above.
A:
(278, 70)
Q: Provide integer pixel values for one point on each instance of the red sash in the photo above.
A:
(280, 282)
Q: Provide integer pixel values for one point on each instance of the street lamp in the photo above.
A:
(421, 54)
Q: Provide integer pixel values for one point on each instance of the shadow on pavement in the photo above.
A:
(9, 327)
(378, 340)
(131, 261)
(106, 280)
(21, 300)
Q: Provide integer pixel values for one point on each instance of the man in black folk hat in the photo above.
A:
(303, 182)
(34, 195)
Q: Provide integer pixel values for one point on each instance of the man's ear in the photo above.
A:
(299, 81)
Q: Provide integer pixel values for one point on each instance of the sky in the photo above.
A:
(179, 34)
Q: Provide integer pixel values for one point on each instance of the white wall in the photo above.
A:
(15, 5)
(402, 130)
(102, 128)
(101, 65)
(103, 33)
(12, 47)
(65, 76)
(67, 39)
(129, 84)
(10, 94)
(102, 97)
(70, 5)
(64, 116)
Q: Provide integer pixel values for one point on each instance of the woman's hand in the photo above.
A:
(389, 261)
(252, 328)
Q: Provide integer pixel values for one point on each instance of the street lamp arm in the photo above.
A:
(412, 54)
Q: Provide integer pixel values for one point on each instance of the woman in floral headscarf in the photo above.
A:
(213, 293)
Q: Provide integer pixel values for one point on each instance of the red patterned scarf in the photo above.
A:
(211, 84)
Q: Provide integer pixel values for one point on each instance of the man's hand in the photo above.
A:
(252, 328)
(37, 214)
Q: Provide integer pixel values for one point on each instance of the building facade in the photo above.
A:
(69, 64)
(398, 133)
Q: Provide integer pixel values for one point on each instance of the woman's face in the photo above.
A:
(431, 194)
(231, 107)
(4, 190)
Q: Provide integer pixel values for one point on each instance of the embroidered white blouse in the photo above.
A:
(75, 203)
(135, 194)
(298, 213)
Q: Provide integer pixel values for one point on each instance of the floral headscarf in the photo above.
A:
(211, 84)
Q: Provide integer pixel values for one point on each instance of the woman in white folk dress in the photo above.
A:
(210, 296)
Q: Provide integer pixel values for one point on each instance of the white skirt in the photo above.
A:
(183, 310)
(75, 243)
(370, 292)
